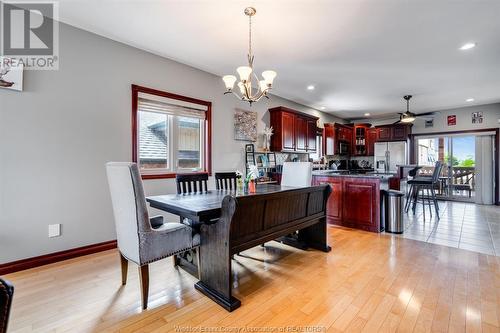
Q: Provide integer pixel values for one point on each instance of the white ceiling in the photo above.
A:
(362, 55)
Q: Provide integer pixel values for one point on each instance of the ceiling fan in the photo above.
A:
(409, 117)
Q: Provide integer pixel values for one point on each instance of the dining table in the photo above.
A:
(231, 221)
(204, 207)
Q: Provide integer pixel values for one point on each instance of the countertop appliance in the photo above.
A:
(388, 155)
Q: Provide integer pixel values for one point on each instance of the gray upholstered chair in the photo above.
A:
(138, 241)
(6, 295)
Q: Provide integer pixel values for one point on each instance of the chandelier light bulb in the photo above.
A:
(229, 81)
(244, 72)
(269, 77)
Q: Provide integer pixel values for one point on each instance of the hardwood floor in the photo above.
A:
(367, 283)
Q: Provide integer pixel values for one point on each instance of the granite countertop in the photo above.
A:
(335, 173)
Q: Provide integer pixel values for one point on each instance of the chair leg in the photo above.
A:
(429, 200)
(124, 266)
(423, 201)
(436, 206)
(174, 257)
(415, 198)
(144, 277)
(410, 198)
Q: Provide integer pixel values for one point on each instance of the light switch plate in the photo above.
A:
(54, 230)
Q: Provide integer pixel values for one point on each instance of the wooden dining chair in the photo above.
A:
(6, 295)
(225, 180)
(191, 182)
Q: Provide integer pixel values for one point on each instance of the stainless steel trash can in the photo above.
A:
(393, 211)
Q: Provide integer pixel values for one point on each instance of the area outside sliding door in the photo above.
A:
(457, 153)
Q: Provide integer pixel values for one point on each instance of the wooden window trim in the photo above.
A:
(207, 162)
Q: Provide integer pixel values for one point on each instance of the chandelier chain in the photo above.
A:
(249, 36)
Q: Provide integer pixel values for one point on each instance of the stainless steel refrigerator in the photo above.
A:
(388, 155)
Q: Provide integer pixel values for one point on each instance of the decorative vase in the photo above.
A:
(251, 186)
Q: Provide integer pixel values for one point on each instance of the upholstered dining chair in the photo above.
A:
(6, 295)
(296, 174)
(138, 241)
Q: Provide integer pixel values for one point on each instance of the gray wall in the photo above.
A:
(491, 115)
(56, 136)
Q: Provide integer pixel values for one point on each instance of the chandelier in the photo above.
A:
(247, 75)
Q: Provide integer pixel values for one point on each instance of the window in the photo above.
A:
(316, 156)
(170, 133)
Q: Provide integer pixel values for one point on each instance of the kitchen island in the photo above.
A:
(355, 199)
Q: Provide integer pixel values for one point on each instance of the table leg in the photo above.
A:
(316, 236)
(215, 265)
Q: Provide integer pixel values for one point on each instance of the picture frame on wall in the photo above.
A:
(245, 125)
(477, 117)
(11, 74)
(452, 120)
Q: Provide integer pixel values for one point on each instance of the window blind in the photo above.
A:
(170, 107)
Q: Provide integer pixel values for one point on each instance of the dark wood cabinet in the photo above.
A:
(293, 130)
(300, 133)
(360, 139)
(334, 204)
(288, 131)
(371, 138)
(336, 133)
(312, 132)
(330, 139)
(398, 132)
(384, 134)
(361, 209)
(354, 201)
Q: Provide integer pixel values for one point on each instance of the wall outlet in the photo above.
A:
(54, 230)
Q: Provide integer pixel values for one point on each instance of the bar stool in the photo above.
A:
(411, 175)
(419, 186)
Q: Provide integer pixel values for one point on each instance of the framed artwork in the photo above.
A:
(477, 117)
(11, 74)
(452, 120)
(245, 125)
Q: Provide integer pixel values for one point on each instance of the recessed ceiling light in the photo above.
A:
(468, 46)
(367, 114)
(322, 107)
(310, 87)
(469, 100)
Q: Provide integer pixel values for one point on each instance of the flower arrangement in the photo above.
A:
(268, 132)
(253, 173)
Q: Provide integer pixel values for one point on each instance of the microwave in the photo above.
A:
(343, 148)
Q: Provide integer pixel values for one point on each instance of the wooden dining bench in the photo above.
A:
(249, 221)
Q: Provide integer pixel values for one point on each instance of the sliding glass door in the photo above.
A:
(457, 153)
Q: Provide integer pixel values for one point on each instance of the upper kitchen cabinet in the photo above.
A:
(360, 140)
(371, 138)
(338, 139)
(398, 132)
(293, 130)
